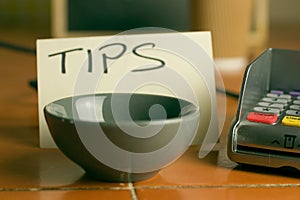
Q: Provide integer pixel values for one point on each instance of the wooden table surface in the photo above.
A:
(29, 172)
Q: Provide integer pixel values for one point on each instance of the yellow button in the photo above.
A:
(291, 121)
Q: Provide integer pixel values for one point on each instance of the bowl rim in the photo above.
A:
(190, 114)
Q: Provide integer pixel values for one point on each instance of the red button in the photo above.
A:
(266, 118)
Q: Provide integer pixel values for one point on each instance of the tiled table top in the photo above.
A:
(29, 172)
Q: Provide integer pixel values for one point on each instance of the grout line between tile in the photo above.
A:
(37, 189)
(132, 191)
(219, 186)
(133, 188)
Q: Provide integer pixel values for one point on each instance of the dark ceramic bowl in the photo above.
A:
(122, 137)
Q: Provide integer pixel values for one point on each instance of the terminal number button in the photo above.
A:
(267, 110)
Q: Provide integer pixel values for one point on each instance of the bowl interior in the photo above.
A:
(123, 107)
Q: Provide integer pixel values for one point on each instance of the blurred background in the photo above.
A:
(31, 19)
